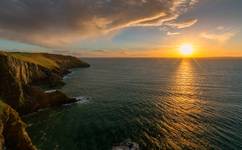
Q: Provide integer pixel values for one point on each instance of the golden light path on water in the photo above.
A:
(181, 126)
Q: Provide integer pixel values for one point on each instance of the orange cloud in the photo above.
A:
(173, 33)
(182, 25)
(220, 37)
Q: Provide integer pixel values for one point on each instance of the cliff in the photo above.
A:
(21, 75)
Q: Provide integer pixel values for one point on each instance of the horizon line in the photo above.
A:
(163, 57)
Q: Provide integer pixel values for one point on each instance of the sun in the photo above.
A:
(186, 50)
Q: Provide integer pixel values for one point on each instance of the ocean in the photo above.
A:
(156, 103)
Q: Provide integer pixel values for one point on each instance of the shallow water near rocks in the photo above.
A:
(157, 103)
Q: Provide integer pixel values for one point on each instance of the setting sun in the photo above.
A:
(186, 50)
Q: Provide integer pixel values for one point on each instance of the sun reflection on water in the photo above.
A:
(183, 110)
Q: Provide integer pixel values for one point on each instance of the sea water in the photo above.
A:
(156, 103)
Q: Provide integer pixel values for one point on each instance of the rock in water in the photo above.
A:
(126, 145)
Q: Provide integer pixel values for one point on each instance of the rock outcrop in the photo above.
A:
(126, 145)
(21, 75)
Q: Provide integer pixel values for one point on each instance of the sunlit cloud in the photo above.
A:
(55, 23)
(182, 25)
(220, 37)
(173, 33)
(220, 28)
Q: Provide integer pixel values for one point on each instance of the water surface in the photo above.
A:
(157, 103)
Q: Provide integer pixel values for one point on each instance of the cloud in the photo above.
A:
(55, 23)
(220, 28)
(182, 25)
(173, 33)
(220, 37)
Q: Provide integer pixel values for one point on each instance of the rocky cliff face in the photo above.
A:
(20, 77)
(13, 135)
(15, 77)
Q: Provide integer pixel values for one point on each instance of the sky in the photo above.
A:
(122, 28)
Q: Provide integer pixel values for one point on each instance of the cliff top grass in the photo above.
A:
(36, 58)
(50, 61)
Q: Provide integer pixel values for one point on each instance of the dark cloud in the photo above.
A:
(59, 22)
